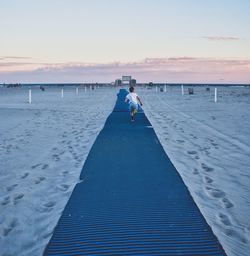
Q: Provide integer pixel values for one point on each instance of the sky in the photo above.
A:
(170, 41)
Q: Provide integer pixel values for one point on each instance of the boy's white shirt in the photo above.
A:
(132, 97)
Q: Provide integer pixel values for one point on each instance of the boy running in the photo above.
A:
(134, 102)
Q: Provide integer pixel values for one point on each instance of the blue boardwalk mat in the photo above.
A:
(131, 200)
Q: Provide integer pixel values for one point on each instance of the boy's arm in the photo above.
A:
(139, 100)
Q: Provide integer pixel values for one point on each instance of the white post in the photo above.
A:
(165, 88)
(215, 94)
(62, 94)
(85, 89)
(29, 96)
(76, 90)
(182, 89)
(156, 88)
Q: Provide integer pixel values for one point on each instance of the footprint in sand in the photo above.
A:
(227, 203)
(25, 175)
(64, 173)
(75, 156)
(11, 188)
(39, 180)
(45, 166)
(37, 114)
(208, 180)
(56, 157)
(17, 198)
(62, 153)
(28, 134)
(78, 163)
(216, 193)
(205, 149)
(206, 168)
(237, 235)
(207, 153)
(84, 146)
(35, 166)
(195, 171)
(69, 142)
(49, 204)
(193, 136)
(5, 201)
(224, 219)
(21, 141)
(63, 187)
(47, 207)
(192, 152)
(11, 226)
(180, 141)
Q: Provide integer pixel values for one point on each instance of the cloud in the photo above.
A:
(14, 58)
(173, 69)
(222, 38)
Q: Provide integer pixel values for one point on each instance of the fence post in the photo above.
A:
(76, 90)
(62, 93)
(29, 96)
(182, 89)
(215, 94)
(165, 88)
(85, 89)
(156, 88)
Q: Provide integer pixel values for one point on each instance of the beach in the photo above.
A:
(208, 143)
(43, 146)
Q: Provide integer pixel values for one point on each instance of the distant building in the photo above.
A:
(118, 82)
(126, 80)
(132, 82)
(12, 85)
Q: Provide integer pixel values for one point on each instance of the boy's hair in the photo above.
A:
(131, 89)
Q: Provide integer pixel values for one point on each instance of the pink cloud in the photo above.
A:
(175, 69)
(222, 38)
(13, 58)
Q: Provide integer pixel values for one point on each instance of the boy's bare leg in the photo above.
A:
(132, 115)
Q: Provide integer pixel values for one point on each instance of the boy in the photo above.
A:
(134, 102)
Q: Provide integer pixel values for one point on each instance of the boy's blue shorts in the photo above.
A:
(133, 106)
